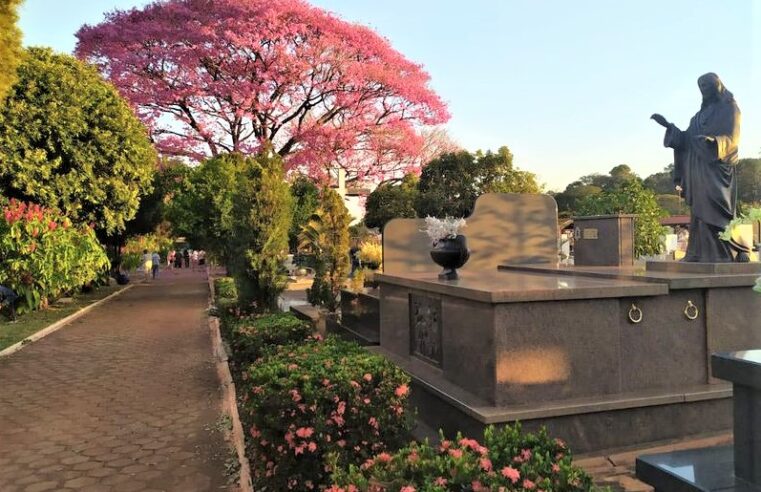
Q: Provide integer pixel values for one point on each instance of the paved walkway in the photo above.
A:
(125, 398)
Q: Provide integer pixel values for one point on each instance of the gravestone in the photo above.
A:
(504, 228)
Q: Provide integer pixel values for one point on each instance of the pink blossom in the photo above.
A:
(407, 488)
(304, 432)
(455, 453)
(528, 484)
(485, 464)
(383, 458)
(325, 91)
(402, 390)
(511, 474)
(555, 468)
(440, 481)
(368, 377)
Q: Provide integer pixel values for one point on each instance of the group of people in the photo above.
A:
(186, 258)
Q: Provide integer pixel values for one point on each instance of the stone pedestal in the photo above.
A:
(735, 468)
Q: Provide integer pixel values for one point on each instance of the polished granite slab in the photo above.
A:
(704, 268)
(742, 367)
(708, 470)
(674, 280)
(524, 286)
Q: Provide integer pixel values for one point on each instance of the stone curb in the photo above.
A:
(60, 323)
(229, 399)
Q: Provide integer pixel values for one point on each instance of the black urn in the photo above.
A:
(451, 254)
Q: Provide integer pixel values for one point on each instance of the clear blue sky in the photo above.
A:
(568, 86)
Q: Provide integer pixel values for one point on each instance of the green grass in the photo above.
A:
(30, 323)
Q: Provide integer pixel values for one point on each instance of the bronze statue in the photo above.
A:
(705, 156)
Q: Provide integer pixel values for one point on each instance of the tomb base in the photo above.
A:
(604, 360)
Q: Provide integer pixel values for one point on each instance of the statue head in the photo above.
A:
(713, 89)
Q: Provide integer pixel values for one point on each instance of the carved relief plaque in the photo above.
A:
(425, 328)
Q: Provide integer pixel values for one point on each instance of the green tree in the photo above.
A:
(661, 183)
(326, 236)
(306, 199)
(154, 207)
(69, 141)
(673, 204)
(202, 208)
(573, 194)
(630, 198)
(390, 201)
(577, 192)
(749, 182)
(10, 45)
(261, 219)
(450, 184)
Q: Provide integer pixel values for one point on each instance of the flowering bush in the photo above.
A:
(507, 461)
(251, 338)
(440, 229)
(308, 401)
(43, 256)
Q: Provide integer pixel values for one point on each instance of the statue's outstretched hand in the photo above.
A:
(660, 120)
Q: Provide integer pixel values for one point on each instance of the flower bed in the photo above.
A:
(310, 401)
(252, 338)
(507, 461)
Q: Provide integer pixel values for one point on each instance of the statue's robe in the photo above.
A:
(706, 173)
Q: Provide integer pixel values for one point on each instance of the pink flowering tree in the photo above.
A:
(215, 76)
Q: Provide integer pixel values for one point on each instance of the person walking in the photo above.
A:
(170, 259)
(156, 262)
(194, 259)
(178, 259)
(186, 257)
(147, 263)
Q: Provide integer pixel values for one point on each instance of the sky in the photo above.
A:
(568, 86)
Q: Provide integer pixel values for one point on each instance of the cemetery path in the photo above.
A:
(125, 398)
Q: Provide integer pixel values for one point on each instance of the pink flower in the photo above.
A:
(555, 468)
(445, 445)
(511, 474)
(402, 390)
(526, 454)
(373, 422)
(485, 464)
(469, 443)
(440, 481)
(528, 484)
(455, 453)
(383, 457)
(477, 487)
(413, 457)
(407, 488)
(368, 377)
(304, 432)
(312, 446)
